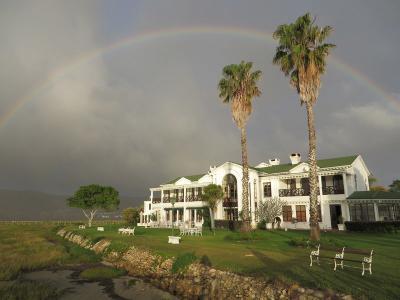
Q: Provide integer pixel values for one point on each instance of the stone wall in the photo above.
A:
(197, 281)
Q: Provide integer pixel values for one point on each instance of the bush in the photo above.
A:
(205, 260)
(228, 224)
(131, 215)
(206, 218)
(183, 261)
(262, 225)
(379, 226)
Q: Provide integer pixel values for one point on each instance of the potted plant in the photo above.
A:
(341, 223)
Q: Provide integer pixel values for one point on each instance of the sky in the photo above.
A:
(124, 93)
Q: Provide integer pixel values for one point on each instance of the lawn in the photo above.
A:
(276, 255)
(29, 247)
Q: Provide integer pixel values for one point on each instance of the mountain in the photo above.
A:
(30, 205)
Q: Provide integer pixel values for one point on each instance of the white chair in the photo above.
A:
(339, 256)
(315, 253)
(368, 261)
(82, 226)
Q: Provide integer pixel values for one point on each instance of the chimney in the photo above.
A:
(295, 158)
(274, 161)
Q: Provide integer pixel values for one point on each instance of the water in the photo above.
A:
(125, 287)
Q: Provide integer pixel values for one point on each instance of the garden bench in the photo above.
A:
(82, 226)
(338, 260)
(127, 231)
(174, 239)
(100, 228)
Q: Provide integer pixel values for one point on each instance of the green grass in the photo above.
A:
(29, 247)
(280, 255)
(99, 273)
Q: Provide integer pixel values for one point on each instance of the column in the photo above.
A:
(151, 196)
(184, 205)
(195, 215)
(170, 216)
(345, 184)
(321, 197)
(141, 217)
(162, 196)
(177, 216)
(376, 211)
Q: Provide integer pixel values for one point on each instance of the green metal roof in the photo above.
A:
(374, 195)
(190, 177)
(322, 163)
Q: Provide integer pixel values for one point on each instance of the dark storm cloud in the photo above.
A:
(142, 114)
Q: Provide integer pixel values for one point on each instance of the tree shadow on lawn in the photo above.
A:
(322, 276)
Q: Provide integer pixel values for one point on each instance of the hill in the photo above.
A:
(31, 205)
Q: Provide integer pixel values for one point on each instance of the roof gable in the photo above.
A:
(322, 163)
(190, 178)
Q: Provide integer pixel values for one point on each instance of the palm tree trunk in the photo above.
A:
(245, 181)
(212, 220)
(312, 160)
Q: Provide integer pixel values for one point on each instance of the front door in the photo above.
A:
(336, 211)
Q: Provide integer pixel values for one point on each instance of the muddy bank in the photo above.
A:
(70, 286)
(197, 281)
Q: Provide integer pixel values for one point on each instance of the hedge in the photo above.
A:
(228, 224)
(379, 226)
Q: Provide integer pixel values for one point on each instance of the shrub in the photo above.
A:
(205, 260)
(262, 225)
(228, 224)
(378, 226)
(183, 261)
(131, 215)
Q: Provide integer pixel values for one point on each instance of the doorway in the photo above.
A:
(336, 212)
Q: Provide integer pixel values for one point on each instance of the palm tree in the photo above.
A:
(301, 54)
(238, 87)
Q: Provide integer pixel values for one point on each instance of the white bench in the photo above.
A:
(339, 256)
(127, 231)
(315, 254)
(82, 226)
(174, 239)
(100, 228)
(367, 261)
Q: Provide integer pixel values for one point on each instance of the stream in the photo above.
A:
(73, 287)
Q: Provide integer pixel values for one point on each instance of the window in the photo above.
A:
(287, 213)
(149, 206)
(301, 213)
(362, 212)
(267, 189)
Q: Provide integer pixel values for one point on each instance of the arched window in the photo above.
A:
(229, 184)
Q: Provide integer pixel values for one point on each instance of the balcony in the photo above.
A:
(294, 192)
(156, 200)
(228, 202)
(332, 190)
(166, 199)
(192, 198)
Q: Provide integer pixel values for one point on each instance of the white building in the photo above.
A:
(338, 179)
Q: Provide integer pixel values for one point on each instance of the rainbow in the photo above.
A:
(148, 36)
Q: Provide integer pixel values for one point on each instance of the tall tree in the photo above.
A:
(213, 194)
(94, 197)
(238, 87)
(301, 55)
